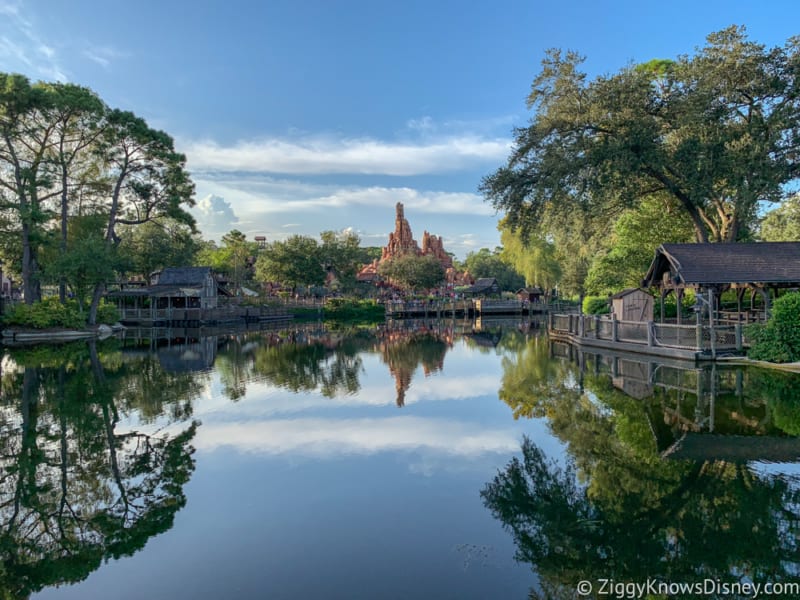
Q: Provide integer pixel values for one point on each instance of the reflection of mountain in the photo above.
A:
(618, 509)
(77, 490)
(405, 350)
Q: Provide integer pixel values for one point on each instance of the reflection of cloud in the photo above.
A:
(327, 155)
(332, 437)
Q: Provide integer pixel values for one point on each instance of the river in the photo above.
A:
(410, 460)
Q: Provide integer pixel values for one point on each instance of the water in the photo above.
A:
(422, 460)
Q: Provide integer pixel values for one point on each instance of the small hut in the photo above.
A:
(530, 294)
(633, 304)
(486, 286)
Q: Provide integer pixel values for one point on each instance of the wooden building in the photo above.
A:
(486, 286)
(711, 269)
(530, 294)
(633, 304)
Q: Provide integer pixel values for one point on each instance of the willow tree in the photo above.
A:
(717, 131)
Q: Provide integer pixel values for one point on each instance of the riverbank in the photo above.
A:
(18, 335)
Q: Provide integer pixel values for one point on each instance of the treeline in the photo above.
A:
(78, 178)
(691, 149)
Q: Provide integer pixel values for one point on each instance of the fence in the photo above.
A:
(699, 338)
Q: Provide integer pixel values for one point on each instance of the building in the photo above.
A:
(633, 304)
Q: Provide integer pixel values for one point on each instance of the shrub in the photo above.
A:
(778, 340)
(596, 305)
(47, 313)
(107, 313)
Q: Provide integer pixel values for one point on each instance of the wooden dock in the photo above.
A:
(688, 342)
(195, 317)
(414, 309)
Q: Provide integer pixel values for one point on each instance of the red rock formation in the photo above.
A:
(402, 243)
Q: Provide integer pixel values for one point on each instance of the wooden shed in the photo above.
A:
(530, 294)
(486, 286)
(633, 304)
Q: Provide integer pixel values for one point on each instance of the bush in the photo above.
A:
(779, 340)
(47, 313)
(596, 305)
(107, 313)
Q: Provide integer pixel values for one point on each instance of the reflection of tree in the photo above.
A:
(76, 489)
(327, 362)
(617, 509)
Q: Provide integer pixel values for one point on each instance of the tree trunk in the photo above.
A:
(96, 295)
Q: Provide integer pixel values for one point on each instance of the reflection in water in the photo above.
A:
(617, 508)
(78, 487)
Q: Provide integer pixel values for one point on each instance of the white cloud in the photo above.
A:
(281, 196)
(215, 215)
(103, 55)
(363, 156)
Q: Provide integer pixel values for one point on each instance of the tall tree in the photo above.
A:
(341, 256)
(534, 257)
(783, 223)
(145, 178)
(413, 272)
(291, 263)
(717, 131)
(490, 263)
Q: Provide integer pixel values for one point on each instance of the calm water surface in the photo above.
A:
(419, 460)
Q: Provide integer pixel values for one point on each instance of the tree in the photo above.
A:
(717, 132)
(145, 179)
(291, 263)
(155, 245)
(534, 257)
(782, 224)
(413, 272)
(341, 256)
(629, 250)
(488, 263)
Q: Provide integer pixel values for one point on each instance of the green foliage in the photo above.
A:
(533, 257)
(341, 257)
(490, 263)
(413, 272)
(50, 313)
(45, 314)
(344, 309)
(779, 340)
(291, 263)
(629, 250)
(783, 223)
(596, 305)
(714, 131)
(156, 245)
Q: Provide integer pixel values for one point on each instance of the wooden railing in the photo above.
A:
(700, 338)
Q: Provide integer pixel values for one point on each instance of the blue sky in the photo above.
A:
(300, 116)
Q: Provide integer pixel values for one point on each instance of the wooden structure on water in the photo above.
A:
(711, 269)
(688, 342)
(464, 308)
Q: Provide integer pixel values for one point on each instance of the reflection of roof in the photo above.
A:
(734, 448)
(184, 276)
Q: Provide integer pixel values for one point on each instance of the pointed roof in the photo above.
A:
(708, 264)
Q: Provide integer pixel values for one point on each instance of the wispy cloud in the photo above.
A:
(318, 155)
(103, 55)
(22, 47)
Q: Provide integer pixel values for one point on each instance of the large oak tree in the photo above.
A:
(717, 132)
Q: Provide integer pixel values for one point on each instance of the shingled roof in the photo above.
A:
(184, 276)
(776, 263)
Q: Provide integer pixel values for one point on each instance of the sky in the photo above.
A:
(303, 116)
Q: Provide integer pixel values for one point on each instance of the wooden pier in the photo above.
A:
(194, 317)
(413, 309)
(690, 342)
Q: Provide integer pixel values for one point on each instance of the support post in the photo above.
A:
(738, 330)
(650, 332)
(614, 332)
